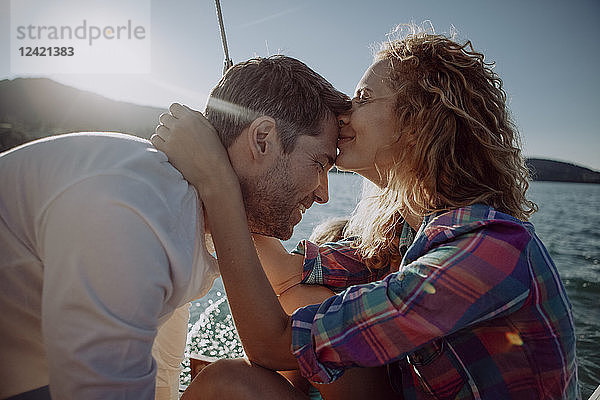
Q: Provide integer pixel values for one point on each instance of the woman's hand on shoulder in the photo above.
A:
(192, 145)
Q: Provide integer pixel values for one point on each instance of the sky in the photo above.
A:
(546, 53)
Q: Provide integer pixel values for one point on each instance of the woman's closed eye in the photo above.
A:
(362, 96)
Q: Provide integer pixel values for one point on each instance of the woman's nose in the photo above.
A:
(343, 119)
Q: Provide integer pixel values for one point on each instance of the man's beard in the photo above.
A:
(270, 200)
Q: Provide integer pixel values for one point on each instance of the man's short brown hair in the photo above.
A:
(281, 87)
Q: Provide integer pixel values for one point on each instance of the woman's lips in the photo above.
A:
(344, 140)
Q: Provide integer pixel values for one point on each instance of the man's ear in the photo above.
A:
(262, 137)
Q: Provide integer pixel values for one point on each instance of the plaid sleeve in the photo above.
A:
(335, 265)
(481, 275)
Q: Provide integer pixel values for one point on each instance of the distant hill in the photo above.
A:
(558, 171)
(31, 108)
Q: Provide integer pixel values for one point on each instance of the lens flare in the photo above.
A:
(514, 338)
(428, 288)
(227, 107)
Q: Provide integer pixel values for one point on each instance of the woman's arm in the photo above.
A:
(336, 265)
(284, 270)
(263, 326)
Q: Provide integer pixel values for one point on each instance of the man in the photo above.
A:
(101, 239)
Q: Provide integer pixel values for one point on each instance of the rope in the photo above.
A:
(227, 63)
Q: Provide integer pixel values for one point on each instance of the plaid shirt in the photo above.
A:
(477, 310)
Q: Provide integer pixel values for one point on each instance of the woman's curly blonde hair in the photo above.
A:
(459, 144)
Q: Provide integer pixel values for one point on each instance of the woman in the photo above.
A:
(470, 307)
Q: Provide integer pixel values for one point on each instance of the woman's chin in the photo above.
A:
(341, 166)
(360, 167)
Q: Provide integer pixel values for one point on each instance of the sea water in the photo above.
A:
(567, 222)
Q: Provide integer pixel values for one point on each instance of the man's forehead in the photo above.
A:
(329, 136)
(323, 145)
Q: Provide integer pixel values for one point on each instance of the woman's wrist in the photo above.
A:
(223, 182)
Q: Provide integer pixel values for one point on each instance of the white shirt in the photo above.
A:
(100, 240)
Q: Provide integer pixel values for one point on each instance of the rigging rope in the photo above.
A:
(227, 63)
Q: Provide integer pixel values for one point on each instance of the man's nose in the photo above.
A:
(322, 191)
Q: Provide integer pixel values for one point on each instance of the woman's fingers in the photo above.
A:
(192, 145)
(162, 131)
(159, 139)
(192, 110)
(178, 111)
(166, 119)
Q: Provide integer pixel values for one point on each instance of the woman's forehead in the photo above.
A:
(376, 78)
